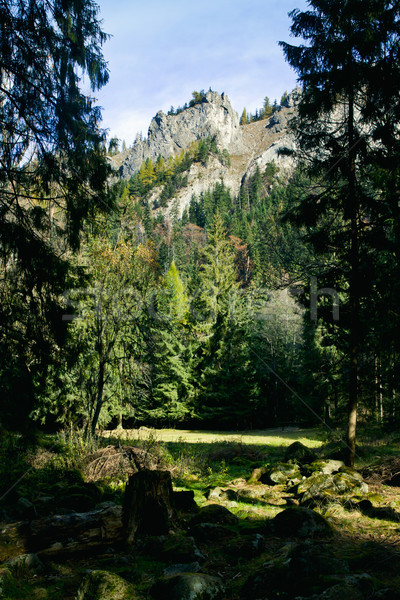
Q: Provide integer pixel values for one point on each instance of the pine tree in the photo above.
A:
(267, 108)
(244, 118)
(335, 68)
(224, 367)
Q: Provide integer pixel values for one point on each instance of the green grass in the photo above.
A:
(198, 461)
(270, 437)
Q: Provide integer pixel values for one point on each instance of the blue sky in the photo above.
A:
(161, 51)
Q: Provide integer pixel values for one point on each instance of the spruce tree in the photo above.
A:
(53, 174)
(335, 68)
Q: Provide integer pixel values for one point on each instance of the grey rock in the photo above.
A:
(327, 466)
(293, 98)
(188, 586)
(221, 494)
(323, 488)
(286, 473)
(169, 134)
(24, 563)
(278, 122)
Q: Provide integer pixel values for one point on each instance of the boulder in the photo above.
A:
(24, 564)
(336, 450)
(303, 570)
(244, 546)
(221, 494)
(188, 586)
(283, 473)
(344, 591)
(300, 453)
(325, 466)
(102, 585)
(300, 522)
(25, 509)
(214, 513)
(322, 488)
(309, 560)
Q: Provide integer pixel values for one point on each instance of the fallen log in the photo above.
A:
(65, 534)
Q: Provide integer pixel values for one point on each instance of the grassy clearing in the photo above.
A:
(268, 437)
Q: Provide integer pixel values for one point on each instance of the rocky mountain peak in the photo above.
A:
(213, 117)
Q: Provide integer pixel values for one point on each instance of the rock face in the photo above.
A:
(214, 118)
(251, 146)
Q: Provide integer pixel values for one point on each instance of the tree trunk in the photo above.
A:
(148, 504)
(99, 396)
(354, 293)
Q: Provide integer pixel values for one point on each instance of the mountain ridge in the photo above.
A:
(250, 146)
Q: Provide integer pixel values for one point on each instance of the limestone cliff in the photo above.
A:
(250, 146)
(213, 118)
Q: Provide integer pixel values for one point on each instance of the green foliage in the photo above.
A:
(53, 174)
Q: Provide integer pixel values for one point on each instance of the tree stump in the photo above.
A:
(147, 504)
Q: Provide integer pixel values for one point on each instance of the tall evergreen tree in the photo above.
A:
(53, 174)
(334, 68)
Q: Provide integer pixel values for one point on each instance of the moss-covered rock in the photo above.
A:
(283, 473)
(300, 522)
(328, 467)
(188, 586)
(24, 564)
(300, 453)
(321, 487)
(257, 474)
(102, 585)
(303, 570)
(336, 450)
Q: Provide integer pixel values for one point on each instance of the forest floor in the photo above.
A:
(64, 475)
